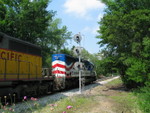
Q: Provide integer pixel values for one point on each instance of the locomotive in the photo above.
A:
(21, 71)
(65, 69)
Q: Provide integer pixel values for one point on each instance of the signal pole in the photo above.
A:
(77, 51)
(80, 72)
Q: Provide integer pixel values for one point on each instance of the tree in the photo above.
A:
(24, 19)
(125, 31)
(54, 39)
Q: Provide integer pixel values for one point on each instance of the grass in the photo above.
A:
(60, 106)
(115, 82)
(136, 100)
(126, 100)
(143, 95)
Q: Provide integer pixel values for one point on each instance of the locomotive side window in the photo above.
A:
(1, 38)
(34, 50)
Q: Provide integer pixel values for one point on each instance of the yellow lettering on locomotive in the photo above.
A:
(9, 55)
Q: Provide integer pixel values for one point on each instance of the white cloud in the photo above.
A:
(86, 29)
(93, 30)
(82, 7)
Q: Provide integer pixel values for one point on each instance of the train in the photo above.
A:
(21, 71)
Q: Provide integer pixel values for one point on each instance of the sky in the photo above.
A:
(80, 16)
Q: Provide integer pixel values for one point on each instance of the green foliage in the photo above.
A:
(26, 20)
(143, 94)
(54, 39)
(107, 67)
(66, 51)
(137, 70)
(108, 62)
(144, 97)
(124, 31)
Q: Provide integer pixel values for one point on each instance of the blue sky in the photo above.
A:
(80, 16)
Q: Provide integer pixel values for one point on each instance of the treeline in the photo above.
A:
(125, 36)
(30, 20)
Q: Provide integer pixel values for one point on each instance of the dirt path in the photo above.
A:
(102, 103)
(104, 100)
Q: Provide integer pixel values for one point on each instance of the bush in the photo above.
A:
(136, 73)
(144, 99)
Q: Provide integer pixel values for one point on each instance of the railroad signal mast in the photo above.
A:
(77, 50)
